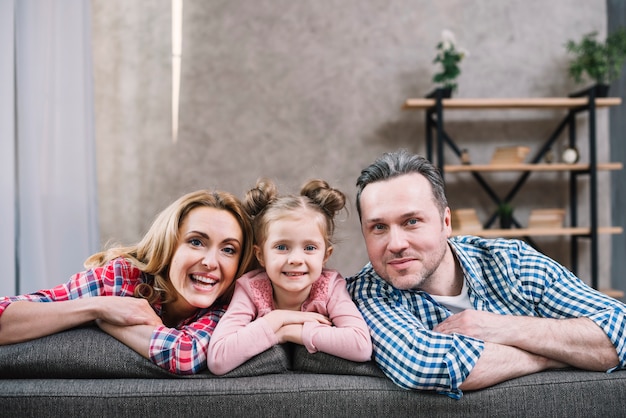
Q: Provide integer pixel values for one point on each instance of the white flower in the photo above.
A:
(448, 39)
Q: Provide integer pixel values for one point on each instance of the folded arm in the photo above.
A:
(348, 337)
(578, 342)
(498, 363)
(25, 320)
(177, 350)
(240, 335)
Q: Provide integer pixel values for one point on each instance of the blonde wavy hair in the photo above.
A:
(154, 253)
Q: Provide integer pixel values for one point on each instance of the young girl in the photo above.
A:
(293, 298)
(161, 297)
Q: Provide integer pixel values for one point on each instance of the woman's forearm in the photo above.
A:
(136, 337)
(24, 320)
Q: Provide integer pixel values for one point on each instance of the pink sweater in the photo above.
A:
(242, 332)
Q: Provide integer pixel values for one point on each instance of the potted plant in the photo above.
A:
(505, 213)
(449, 57)
(600, 61)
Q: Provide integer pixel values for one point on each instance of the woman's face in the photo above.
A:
(206, 258)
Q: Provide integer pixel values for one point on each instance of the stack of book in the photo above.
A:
(546, 218)
(466, 220)
(509, 155)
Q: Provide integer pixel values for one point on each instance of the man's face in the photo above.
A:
(405, 234)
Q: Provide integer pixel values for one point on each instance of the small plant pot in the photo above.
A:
(506, 221)
(601, 90)
(446, 93)
(505, 213)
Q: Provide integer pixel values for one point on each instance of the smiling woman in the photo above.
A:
(161, 297)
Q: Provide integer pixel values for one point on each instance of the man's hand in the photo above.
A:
(483, 325)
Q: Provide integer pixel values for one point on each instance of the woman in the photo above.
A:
(161, 297)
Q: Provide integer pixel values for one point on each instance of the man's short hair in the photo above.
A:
(397, 163)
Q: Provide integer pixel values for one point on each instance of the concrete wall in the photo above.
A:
(300, 89)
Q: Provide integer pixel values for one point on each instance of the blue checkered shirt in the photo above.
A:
(506, 277)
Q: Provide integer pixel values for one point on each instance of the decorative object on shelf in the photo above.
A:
(465, 157)
(548, 157)
(449, 57)
(505, 213)
(509, 155)
(570, 155)
(600, 61)
(465, 220)
(546, 218)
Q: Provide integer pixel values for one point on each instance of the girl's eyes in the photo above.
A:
(230, 250)
(283, 247)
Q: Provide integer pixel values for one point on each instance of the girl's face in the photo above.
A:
(206, 258)
(294, 253)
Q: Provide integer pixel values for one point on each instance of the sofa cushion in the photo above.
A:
(566, 393)
(88, 352)
(323, 363)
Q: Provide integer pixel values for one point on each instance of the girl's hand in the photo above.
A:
(280, 317)
(290, 333)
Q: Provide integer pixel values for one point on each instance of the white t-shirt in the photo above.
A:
(457, 303)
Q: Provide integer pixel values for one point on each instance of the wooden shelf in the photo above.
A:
(527, 232)
(529, 167)
(513, 103)
(437, 139)
(614, 293)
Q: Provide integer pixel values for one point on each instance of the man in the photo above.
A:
(463, 313)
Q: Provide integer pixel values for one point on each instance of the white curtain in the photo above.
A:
(49, 196)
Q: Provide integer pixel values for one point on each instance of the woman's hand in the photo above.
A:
(130, 320)
(125, 311)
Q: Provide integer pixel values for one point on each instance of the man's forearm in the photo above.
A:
(498, 363)
(578, 342)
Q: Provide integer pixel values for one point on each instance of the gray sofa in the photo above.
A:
(85, 372)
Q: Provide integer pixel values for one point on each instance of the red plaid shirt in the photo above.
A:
(180, 350)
